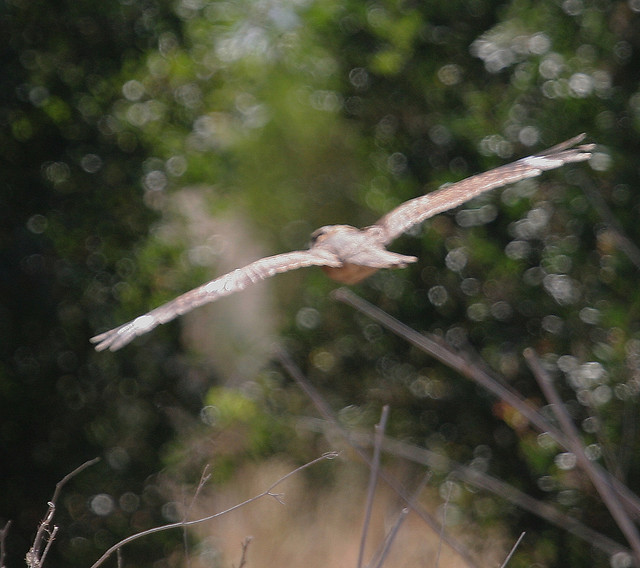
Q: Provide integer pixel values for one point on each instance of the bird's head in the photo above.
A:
(331, 231)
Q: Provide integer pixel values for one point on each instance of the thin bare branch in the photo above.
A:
(70, 476)
(47, 547)
(180, 524)
(380, 556)
(378, 561)
(373, 479)
(204, 478)
(245, 548)
(601, 483)
(513, 549)
(35, 556)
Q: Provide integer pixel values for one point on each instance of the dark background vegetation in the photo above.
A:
(298, 114)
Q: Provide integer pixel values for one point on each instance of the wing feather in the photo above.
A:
(417, 210)
(234, 281)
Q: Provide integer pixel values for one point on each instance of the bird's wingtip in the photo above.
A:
(97, 338)
(101, 341)
(570, 144)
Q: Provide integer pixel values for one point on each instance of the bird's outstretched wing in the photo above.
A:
(232, 282)
(415, 211)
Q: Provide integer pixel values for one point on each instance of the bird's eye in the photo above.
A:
(315, 236)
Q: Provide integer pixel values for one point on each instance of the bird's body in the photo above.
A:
(361, 252)
(348, 254)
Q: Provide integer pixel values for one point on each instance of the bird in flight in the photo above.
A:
(348, 254)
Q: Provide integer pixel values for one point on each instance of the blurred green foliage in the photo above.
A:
(298, 114)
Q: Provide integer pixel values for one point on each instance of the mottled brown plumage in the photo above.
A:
(348, 254)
